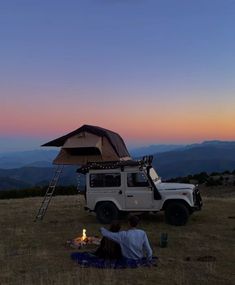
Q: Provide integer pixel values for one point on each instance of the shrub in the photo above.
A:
(201, 177)
(213, 182)
(37, 192)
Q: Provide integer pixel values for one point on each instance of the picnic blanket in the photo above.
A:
(86, 259)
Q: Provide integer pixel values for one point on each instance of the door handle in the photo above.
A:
(129, 195)
(120, 192)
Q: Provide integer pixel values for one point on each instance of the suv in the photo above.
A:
(114, 189)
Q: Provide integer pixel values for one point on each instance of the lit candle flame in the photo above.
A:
(84, 234)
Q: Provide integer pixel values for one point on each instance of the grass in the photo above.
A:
(36, 253)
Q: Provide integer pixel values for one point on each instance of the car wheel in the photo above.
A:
(176, 214)
(106, 212)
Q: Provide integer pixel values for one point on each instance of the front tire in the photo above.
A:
(176, 214)
(106, 212)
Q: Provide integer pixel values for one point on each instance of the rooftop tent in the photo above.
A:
(89, 144)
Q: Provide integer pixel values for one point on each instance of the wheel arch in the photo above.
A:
(180, 201)
(99, 202)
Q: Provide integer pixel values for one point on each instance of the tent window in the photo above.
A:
(137, 179)
(105, 180)
(83, 151)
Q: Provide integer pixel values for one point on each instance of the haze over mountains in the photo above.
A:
(26, 169)
(210, 156)
(37, 158)
(154, 149)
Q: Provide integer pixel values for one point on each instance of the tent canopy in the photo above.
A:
(89, 144)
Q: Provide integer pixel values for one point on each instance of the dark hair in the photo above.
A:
(115, 226)
(133, 221)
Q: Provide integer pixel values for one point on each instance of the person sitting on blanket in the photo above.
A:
(134, 242)
(108, 248)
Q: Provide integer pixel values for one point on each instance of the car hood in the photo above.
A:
(174, 186)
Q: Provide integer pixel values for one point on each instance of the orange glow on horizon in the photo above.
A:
(150, 123)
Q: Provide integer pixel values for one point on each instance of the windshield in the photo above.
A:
(153, 174)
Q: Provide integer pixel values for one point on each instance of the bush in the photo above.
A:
(201, 177)
(215, 174)
(213, 182)
(37, 192)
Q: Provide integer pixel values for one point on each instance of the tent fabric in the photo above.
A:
(83, 155)
(83, 139)
(90, 144)
(115, 140)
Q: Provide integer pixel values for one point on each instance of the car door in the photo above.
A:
(138, 191)
(106, 186)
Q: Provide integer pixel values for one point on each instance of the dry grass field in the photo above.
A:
(202, 252)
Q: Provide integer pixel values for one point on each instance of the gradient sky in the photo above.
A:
(155, 71)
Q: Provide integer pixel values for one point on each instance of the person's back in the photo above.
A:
(133, 242)
(108, 248)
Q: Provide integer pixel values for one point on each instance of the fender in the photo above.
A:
(168, 201)
(107, 200)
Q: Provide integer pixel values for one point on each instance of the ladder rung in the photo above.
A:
(51, 189)
(49, 193)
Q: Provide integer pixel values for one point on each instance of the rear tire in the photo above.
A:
(106, 212)
(176, 214)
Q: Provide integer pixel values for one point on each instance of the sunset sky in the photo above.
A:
(155, 71)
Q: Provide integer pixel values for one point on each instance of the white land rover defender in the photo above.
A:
(117, 188)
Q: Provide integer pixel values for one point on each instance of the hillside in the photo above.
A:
(36, 253)
(34, 176)
(208, 157)
(211, 156)
(27, 158)
(153, 149)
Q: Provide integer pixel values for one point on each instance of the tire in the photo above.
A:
(106, 212)
(176, 214)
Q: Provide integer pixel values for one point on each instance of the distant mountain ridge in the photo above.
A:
(209, 156)
(38, 158)
(44, 158)
(20, 178)
(152, 149)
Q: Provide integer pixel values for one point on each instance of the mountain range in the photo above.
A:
(37, 158)
(211, 156)
(34, 168)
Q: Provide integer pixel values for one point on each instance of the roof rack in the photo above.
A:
(145, 161)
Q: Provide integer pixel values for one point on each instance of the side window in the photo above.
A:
(137, 179)
(105, 180)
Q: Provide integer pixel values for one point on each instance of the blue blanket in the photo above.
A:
(86, 259)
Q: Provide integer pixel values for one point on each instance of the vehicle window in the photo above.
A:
(137, 179)
(105, 180)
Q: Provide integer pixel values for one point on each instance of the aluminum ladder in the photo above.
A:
(49, 193)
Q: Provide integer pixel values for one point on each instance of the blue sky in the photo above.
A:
(154, 71)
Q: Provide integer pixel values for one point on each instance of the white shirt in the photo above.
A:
(133, 242)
